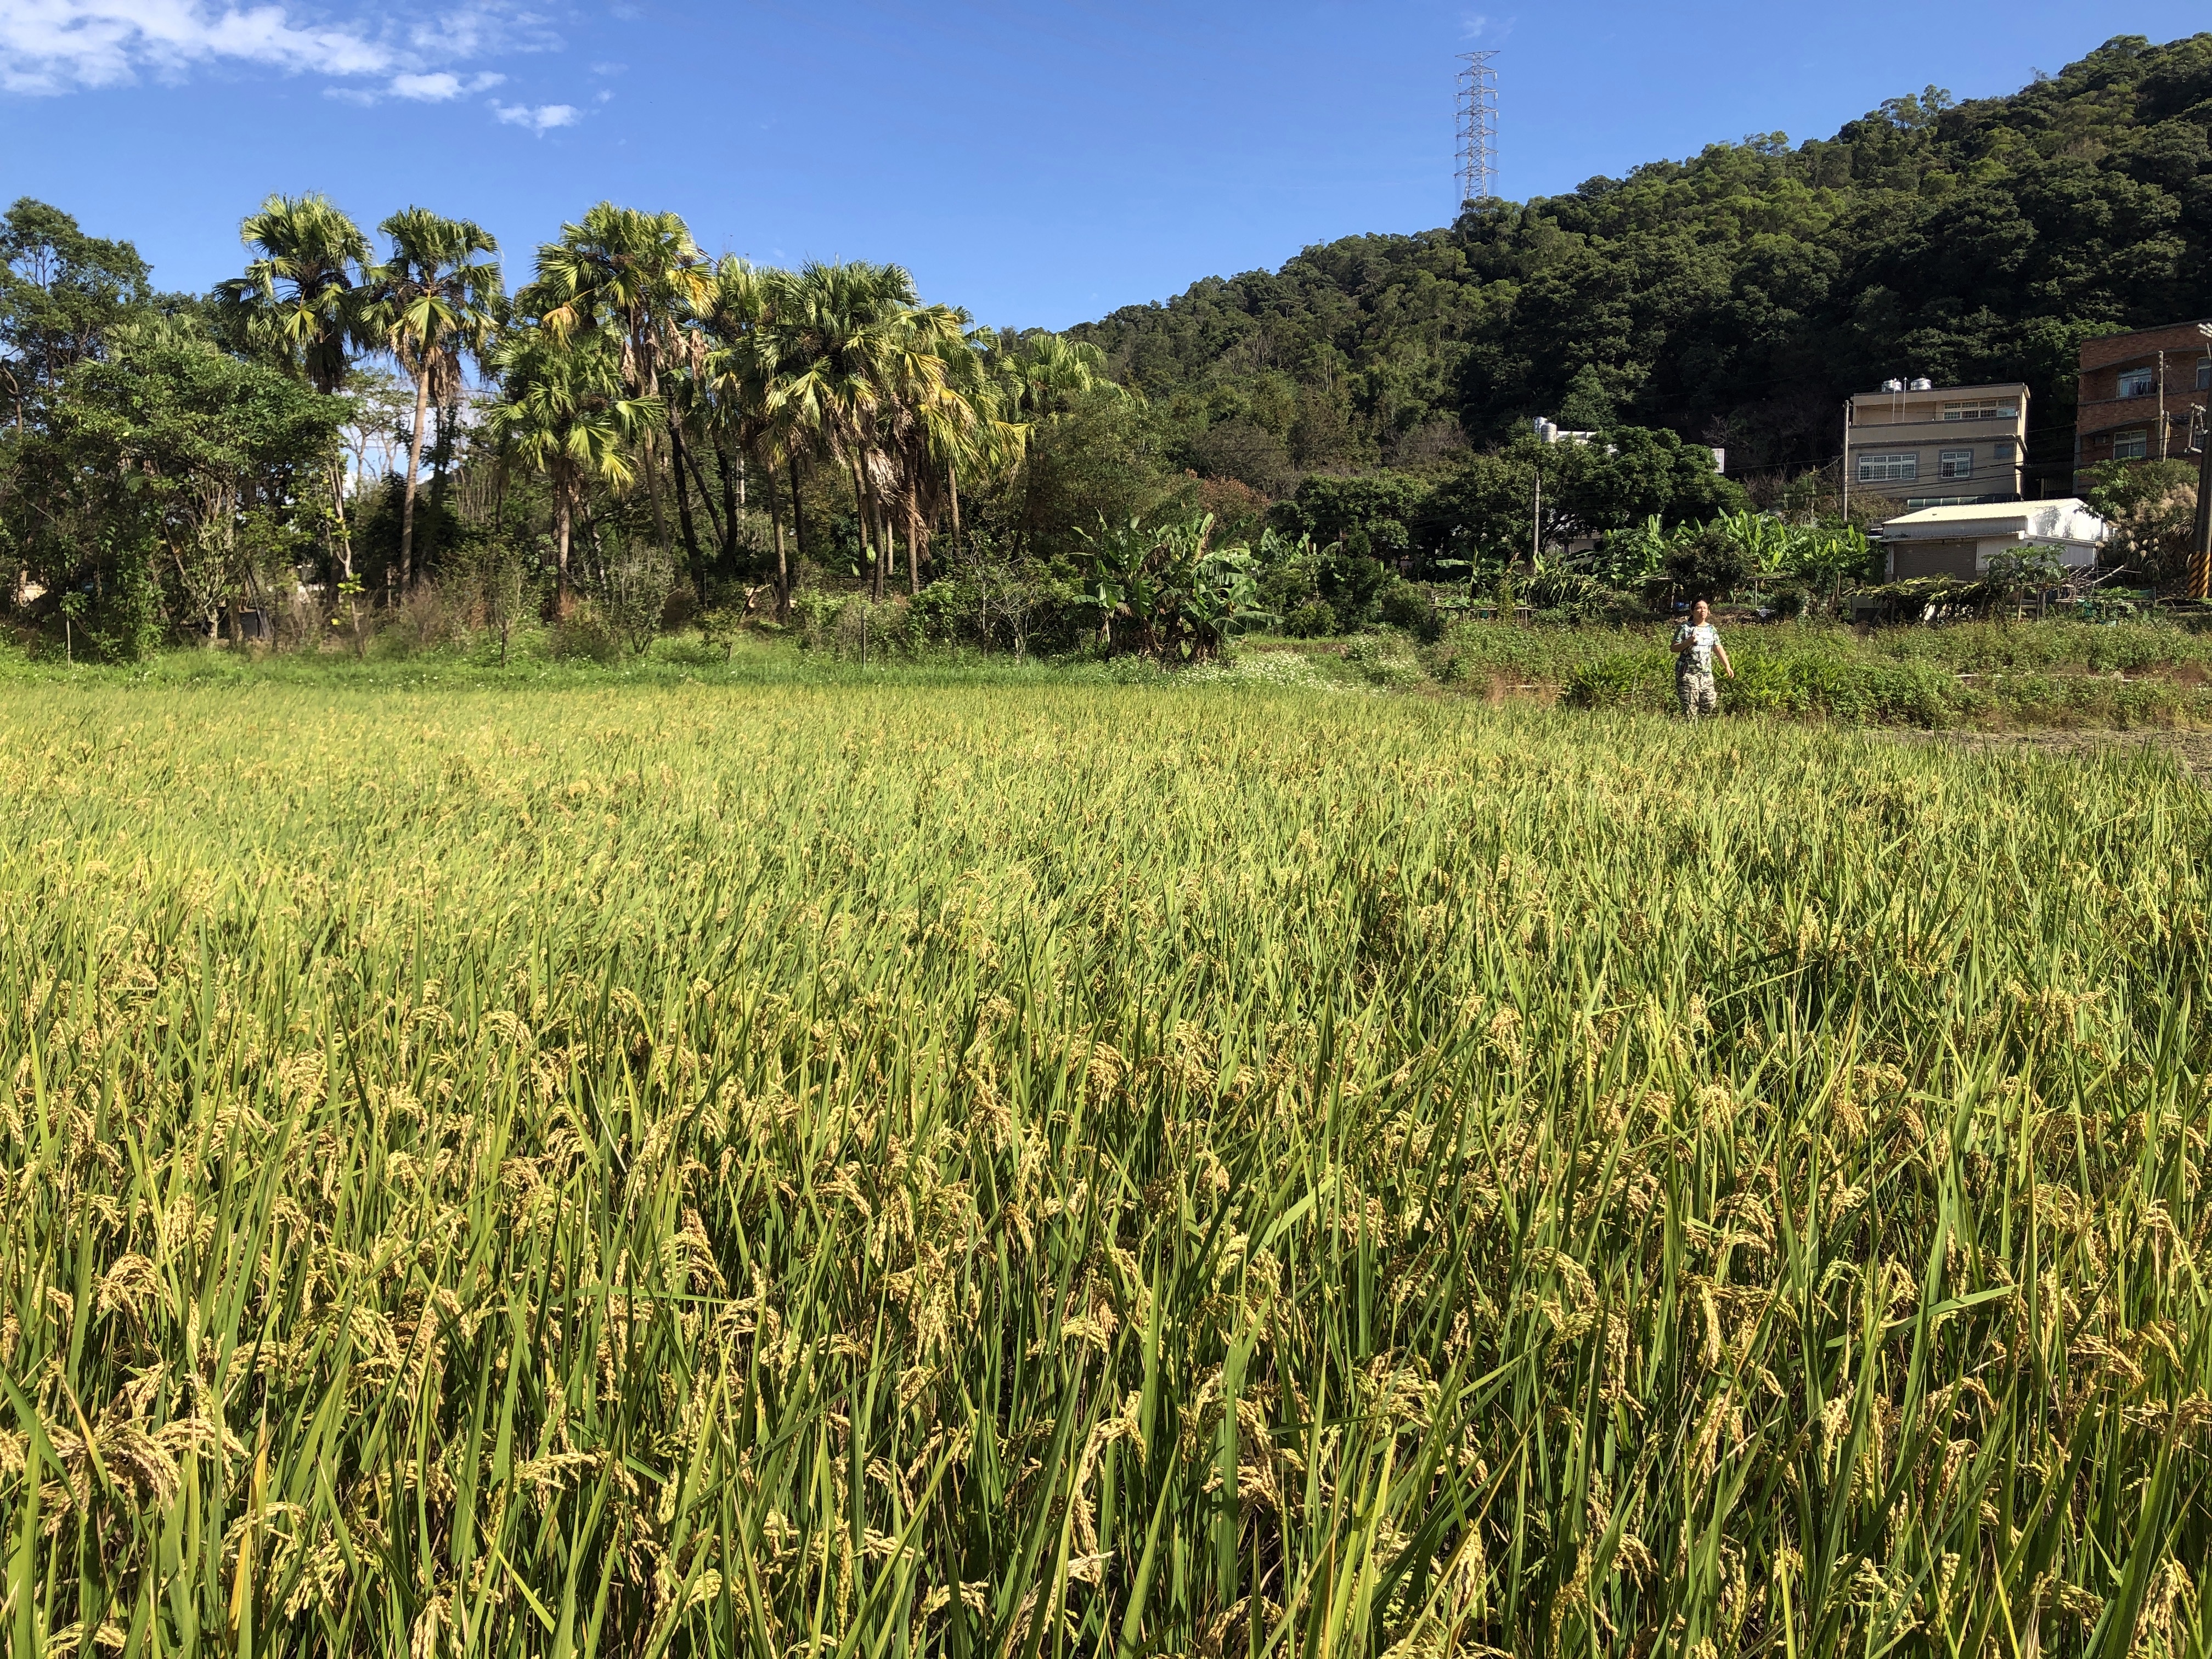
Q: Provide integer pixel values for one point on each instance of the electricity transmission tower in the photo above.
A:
(1478, 127)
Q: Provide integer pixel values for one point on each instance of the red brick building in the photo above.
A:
(2134, 395)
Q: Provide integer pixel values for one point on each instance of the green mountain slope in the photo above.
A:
(1735, 297)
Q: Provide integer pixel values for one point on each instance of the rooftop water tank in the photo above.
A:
(1892, 385)
(1922, 385)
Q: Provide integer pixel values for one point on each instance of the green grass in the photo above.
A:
(2024, 674)
(1967, 674)
(864, 1170)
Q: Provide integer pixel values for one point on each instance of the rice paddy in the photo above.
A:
(942, 1170)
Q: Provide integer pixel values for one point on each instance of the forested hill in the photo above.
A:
(1735, 297)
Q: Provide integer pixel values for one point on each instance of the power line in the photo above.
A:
(1478, 127)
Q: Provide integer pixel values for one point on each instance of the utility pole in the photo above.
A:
(1536, 520)
(2200, 544)
(1844, 466)
(2164, 448)
(1477, 128)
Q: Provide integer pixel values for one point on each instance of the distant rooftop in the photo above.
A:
(1912, 391)
(2066, 519)
(1983, 511)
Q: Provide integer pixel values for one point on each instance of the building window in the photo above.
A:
(2002, 450)
(2130, 446)
(2204, 375)
(1987, 411)
(2138, 382)
(1888, 469)
(1955, 464)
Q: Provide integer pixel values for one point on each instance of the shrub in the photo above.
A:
(1351, 583)
(1407, 605)
(1316, 619)
(583, 634)
(1385, 659)
(1710, 564)
(1623, 679)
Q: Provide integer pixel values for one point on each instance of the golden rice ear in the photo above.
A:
(1131, 1167)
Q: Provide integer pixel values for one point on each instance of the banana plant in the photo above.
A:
(1166, 592)
(1765, 538)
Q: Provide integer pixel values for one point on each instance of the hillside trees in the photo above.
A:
(1734, 297)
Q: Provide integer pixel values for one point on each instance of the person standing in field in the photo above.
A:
(1697, 643)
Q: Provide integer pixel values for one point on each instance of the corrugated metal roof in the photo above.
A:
(1991, 511)
(2068, 518)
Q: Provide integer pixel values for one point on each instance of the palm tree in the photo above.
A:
(567, 412)
(852, 358)
(298, 297)
(935, 410)
(842, 362)
(733, 378)
(297, 303)
(433, 302)
(636, 276)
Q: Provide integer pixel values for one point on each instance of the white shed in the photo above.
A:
(1959, 541)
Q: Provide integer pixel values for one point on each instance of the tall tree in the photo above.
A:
(60, 292)
(63, 293)
(298, 302)
(637, 275)
(1040, 376)
(832, 350)
(150, 473)
(565, 411)
(939, 410)
(733, 377)
(431, 304)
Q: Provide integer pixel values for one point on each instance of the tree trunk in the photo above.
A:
(952, 488)
(862, 511)
(730, 509)
(563, 520)
(441, 457)
(912, 550)
(684, 515)
(344, 530)
(653, 492)
(715, 521)
(797, 530)
(782, 564)
(413, 469)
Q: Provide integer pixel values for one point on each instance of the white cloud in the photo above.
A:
(58, 46)
(541, 119)
(427, 89)
(439, 87)
(52, 46)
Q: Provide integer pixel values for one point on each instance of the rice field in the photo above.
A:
(937, 1170)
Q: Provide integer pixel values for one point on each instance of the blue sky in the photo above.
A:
(1038, 164)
